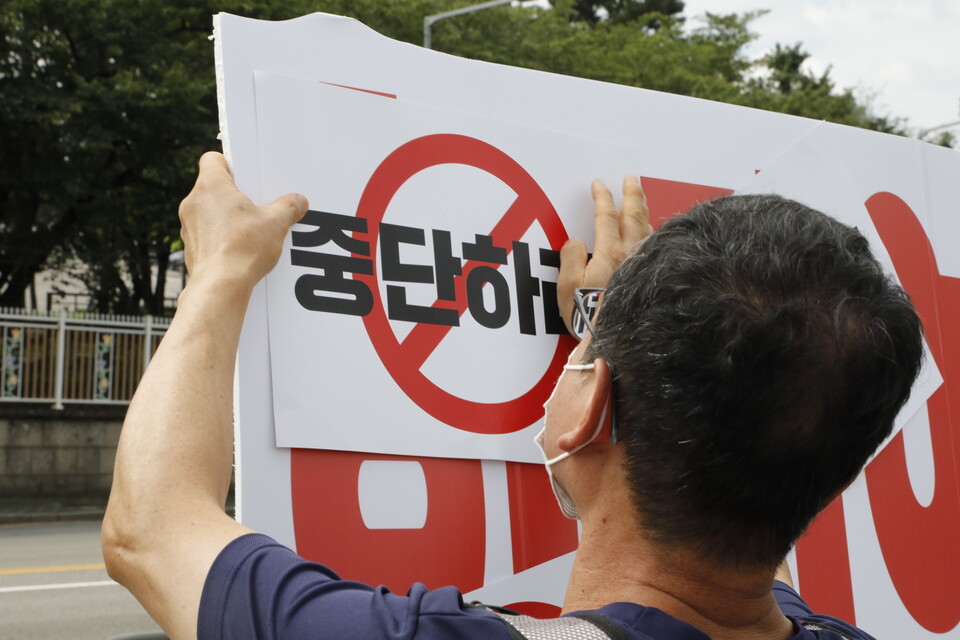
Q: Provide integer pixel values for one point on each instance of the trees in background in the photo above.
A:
(784, 86)
(645, 12)
(105, 105)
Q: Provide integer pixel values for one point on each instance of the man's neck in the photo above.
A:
(616, 563)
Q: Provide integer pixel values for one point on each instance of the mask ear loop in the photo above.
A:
(596, 434)
(614, 422)
(612, 402)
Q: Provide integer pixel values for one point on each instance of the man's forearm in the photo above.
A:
(165, 521)
(177, 438)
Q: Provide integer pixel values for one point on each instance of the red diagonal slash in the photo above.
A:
(424, 338)
(404, 360)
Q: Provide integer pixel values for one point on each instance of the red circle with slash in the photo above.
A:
(404, 359)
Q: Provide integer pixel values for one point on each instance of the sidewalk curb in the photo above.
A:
(35, 512)
(72, 515)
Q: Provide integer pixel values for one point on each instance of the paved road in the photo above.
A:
(53, 585)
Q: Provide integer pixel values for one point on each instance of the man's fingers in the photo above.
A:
(573, 266)
(214, 166)
(606, 225)
(214, 180)
(614, 233)
(634, 215)
(289, 208)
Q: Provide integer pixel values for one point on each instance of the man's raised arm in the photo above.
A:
(165, 522)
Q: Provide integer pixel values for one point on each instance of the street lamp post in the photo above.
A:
(429, 20)
(924, 133)
(948, 125)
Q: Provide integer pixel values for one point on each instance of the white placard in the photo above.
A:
(344, 381)
(656, 135)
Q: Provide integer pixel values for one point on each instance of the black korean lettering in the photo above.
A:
(551, 311)
(351, 297)
(355, 298)
(448, 265)
(527, 288)
(476, 279)
(399, 309)
(332, 227)
(483, 250)
(391, 237)
(393, 270)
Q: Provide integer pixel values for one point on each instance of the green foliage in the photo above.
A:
(943, 138)
(645, 12)
(784, 86)
(105, 106)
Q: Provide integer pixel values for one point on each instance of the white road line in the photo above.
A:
(62, 585)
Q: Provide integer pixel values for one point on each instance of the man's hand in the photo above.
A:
(616, 235)
(225, 235)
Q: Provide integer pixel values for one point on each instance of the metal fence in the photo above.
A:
(75, 357)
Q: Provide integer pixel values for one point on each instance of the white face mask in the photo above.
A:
(567, 506)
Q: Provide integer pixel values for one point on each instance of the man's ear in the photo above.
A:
(593, 399)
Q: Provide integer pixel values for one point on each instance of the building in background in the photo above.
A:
(55, 289)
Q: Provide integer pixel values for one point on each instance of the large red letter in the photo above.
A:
(667, 198)
(329, 526)
(823, 564)
(921, 545)
(538, 529)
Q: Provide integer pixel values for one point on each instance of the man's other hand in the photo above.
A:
(616, 233)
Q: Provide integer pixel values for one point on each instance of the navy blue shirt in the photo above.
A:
(257, 588)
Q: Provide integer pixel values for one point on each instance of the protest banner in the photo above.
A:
(392, 368)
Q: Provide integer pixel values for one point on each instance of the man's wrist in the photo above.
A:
(217, 284)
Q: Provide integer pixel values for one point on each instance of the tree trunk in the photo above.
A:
(14, 294)
(159, 293)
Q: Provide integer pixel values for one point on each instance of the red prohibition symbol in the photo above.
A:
(404, 359)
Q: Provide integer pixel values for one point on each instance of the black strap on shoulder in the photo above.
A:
(523, 627)
(476, 604)
(608, 626)
(580, 626)
(515, 633)
(821, 625)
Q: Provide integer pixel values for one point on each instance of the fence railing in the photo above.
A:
(75, 357)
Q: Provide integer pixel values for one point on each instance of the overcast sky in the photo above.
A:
(906, 53)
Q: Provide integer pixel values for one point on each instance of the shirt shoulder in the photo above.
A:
(258, 588)
(818, 625)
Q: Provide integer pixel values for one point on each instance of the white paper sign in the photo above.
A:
(375, 365)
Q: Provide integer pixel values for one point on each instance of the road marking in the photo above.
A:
(62, 585)
(54, 569)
